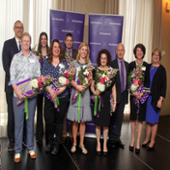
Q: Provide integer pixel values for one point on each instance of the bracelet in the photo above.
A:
(161, 99)
(84, 86)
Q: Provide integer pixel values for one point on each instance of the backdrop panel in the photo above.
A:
(63, 22)
(105, 32)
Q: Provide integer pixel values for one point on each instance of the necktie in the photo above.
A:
(19, 46)
(122, 77)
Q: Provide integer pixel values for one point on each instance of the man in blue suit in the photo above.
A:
(122, 97)
(11, 47)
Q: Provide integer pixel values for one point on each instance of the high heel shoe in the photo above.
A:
(144, 145)
(98, 153)
(105, 153)
(151, 148)
(131, 148)
(137, 151)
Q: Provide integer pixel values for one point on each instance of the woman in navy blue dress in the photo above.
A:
(158, 83)
(43, 50)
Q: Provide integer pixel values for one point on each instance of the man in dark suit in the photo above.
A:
(122, 97)
(72, 53)
(11, 47)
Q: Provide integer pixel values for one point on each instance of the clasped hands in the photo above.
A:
(138, 95)
(80, 88)
(25, 96)
(54, 93)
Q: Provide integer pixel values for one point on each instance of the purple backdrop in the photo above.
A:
(63, 22)
(105, 32)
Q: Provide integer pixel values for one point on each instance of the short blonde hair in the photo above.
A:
(88, 51)
(26, 34)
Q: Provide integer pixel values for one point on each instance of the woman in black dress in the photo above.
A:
(138, 114)
(103, 120)
(43, 50)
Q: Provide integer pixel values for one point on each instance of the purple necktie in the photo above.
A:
(19, 46)
(122, 77)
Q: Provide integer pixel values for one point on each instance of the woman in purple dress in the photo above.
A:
(158, 83)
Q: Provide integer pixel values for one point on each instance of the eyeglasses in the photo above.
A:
(25, 41)
(103, 58)
(156, 55)
(19, 28)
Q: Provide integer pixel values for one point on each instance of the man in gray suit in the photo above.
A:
(11, 47)
(72, 53)
(122, 97)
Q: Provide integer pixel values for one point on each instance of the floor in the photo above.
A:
(117, 158)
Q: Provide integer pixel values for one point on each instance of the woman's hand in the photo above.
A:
(19, 94)
(159, 103)
(136, 94)
(30, 95)
(140, 95)
(96, 93)
(53, 94)
(114, 106)
(80, 88)
(61, 90)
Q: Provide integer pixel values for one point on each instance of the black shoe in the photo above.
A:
(48, 148)
(131, 148)
(137, 151)
(11, 146)
(39, 142)
(98, 153)
(24, 143)
(144, 145)
(55, 150)
(104, 153)
(151, 148)
(120, 144)
(112, 143)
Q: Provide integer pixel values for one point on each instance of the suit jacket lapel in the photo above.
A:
(15, 45)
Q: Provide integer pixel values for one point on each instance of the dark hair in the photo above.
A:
(16, 22)
(157, 50)
(68, 35)
(104, 51)
(142, 47)
(39, 43)
(50, 51)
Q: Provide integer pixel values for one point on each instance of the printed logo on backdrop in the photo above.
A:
(63, 22)
(105, 32)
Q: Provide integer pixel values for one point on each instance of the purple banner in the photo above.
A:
(105, 32)
(63, 22)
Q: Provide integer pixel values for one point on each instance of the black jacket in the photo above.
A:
(159, 85)
(9, 50)
(118, 83)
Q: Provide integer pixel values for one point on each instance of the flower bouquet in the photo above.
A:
(103, 80)
(135, 81)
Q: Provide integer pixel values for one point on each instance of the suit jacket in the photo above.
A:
(9, 50)
(118, 83)
(74, 53)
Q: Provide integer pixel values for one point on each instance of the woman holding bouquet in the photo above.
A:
(43, 50)
(24, 65)
(138, 113)
(84, 112)
(54, 66)
(102, 119)
(158, 84)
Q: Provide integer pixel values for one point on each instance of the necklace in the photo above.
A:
(139, 64)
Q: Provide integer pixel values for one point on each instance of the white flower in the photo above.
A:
(86, 81)
(86, 73)
(100, 87)
(62, 67)
(34, 83)
(134, 87)
(62, 80)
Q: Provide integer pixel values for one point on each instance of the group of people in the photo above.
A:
(20, 63)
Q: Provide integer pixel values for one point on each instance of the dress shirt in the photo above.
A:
(23, 68)
(69, 52)
(125, 77)
(49, 69)
(17, 42)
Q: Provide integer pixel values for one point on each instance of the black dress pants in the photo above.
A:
(54, 117)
